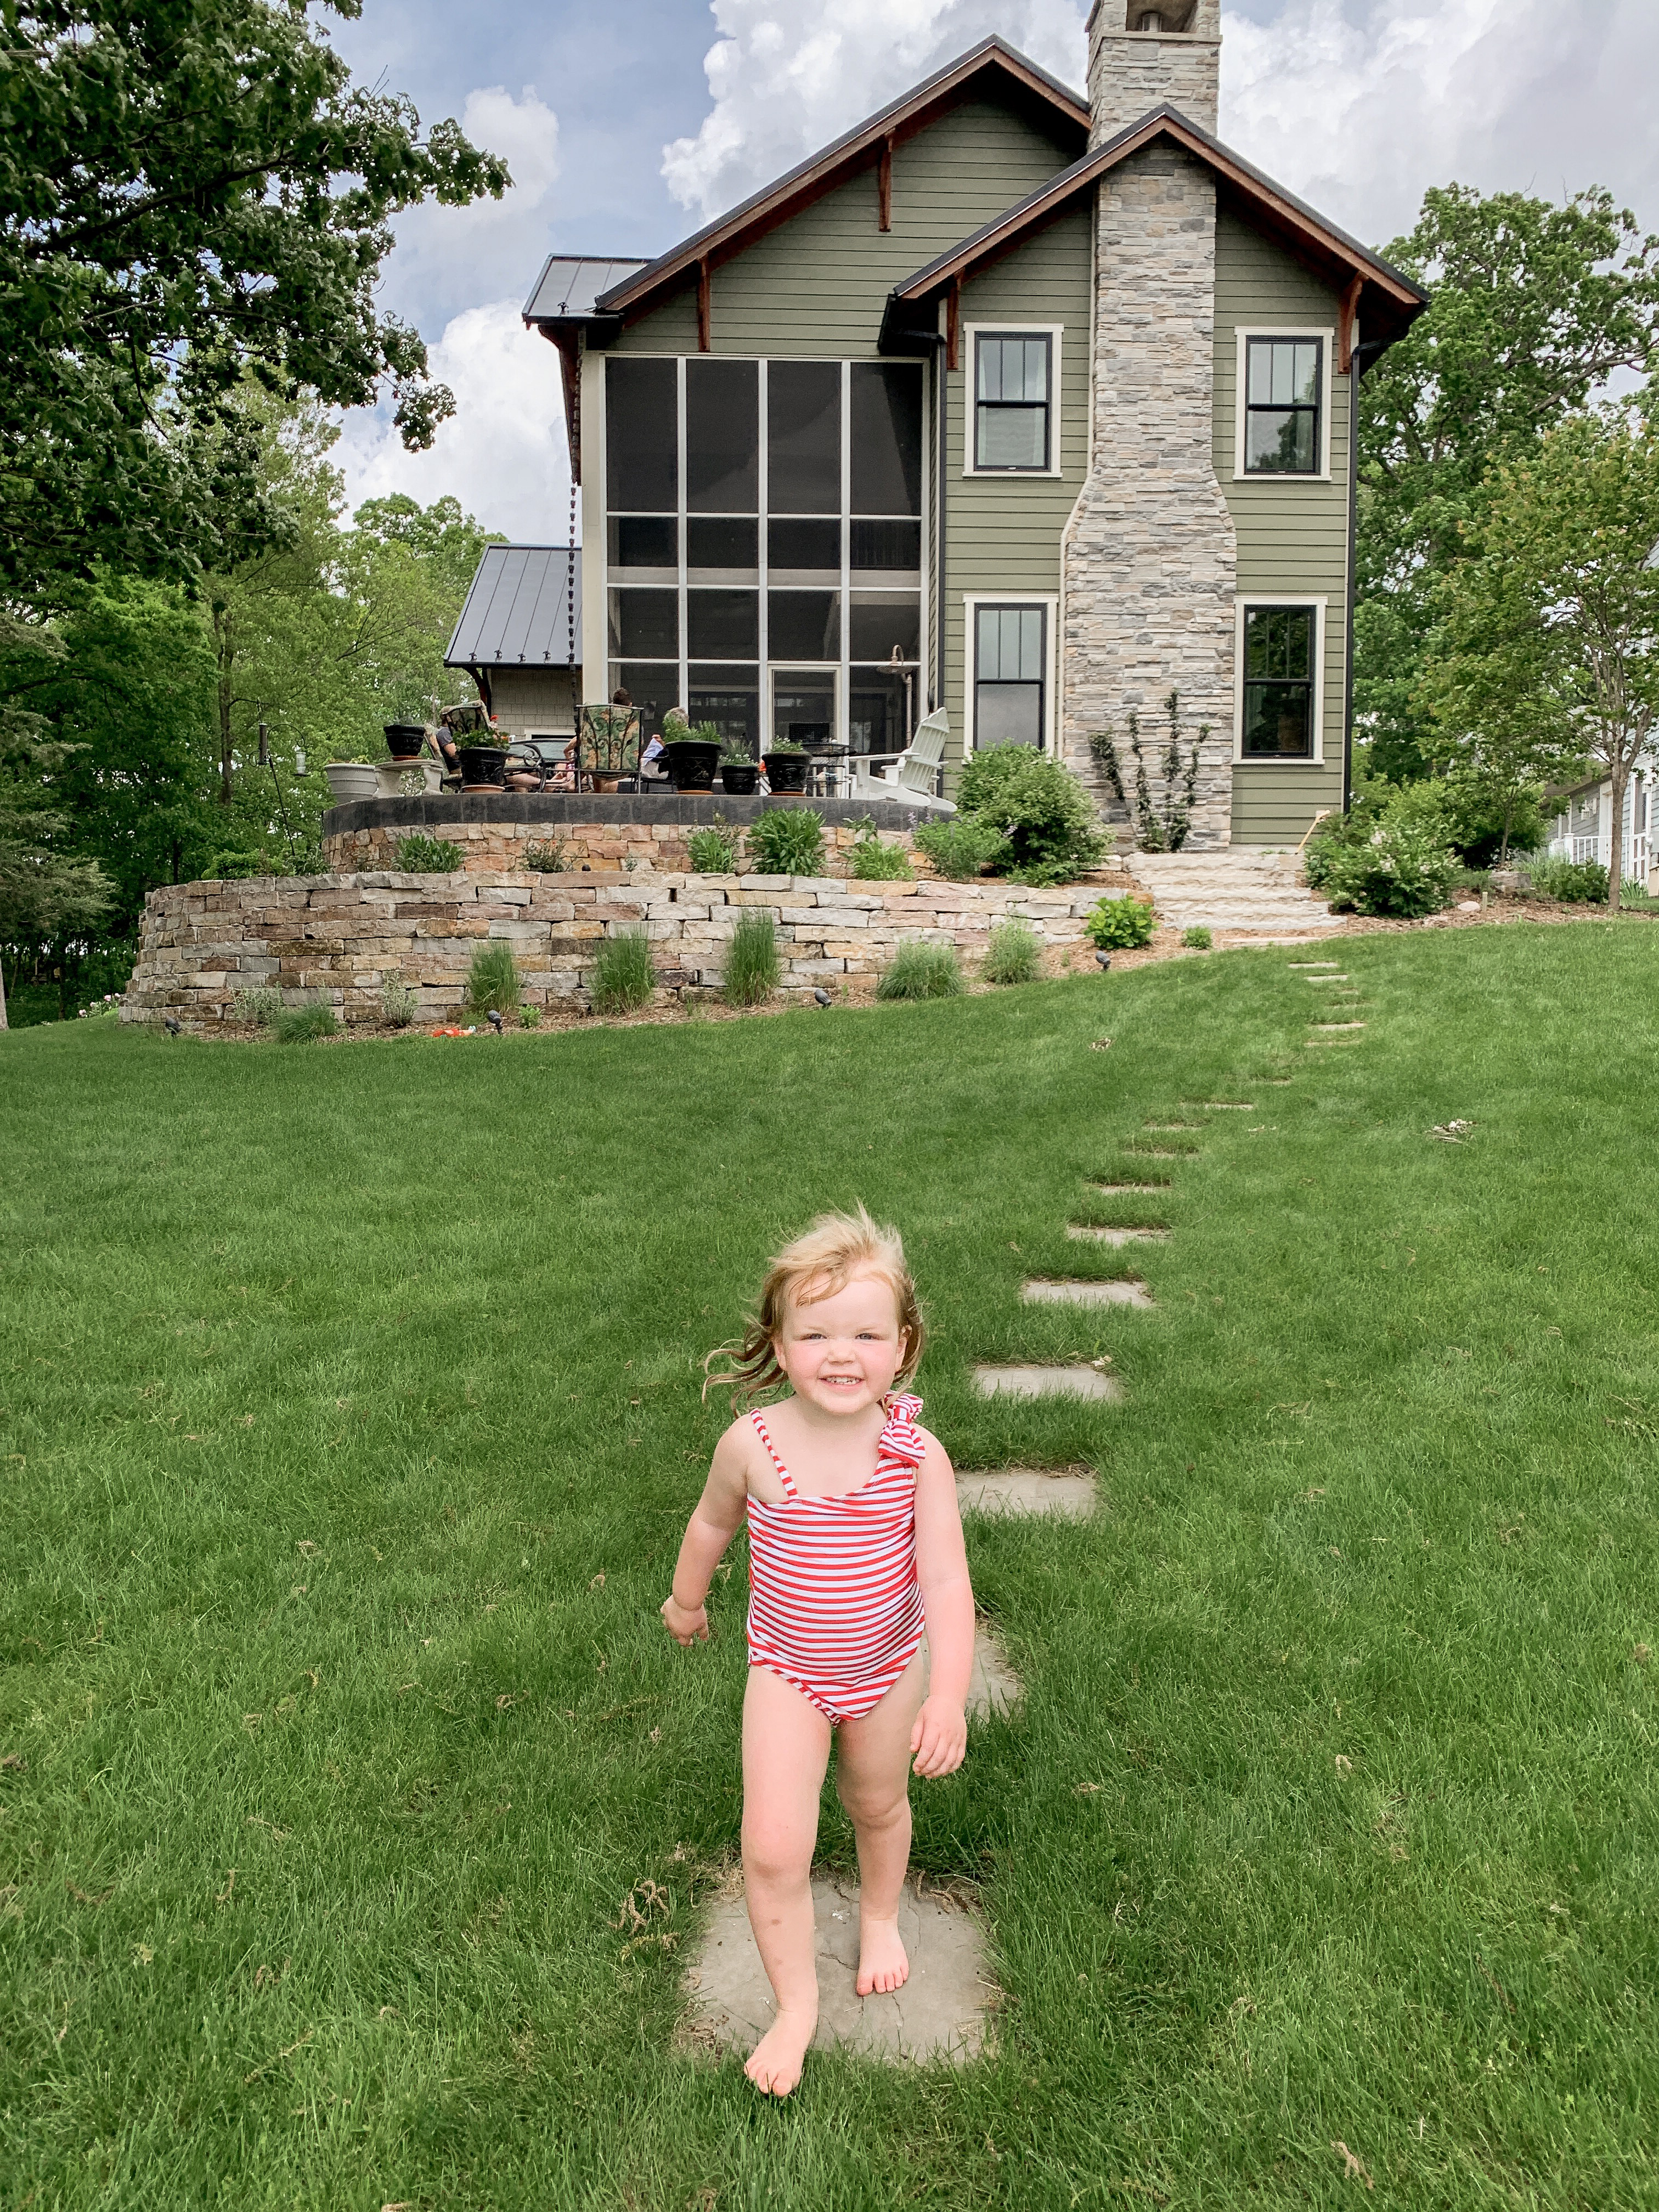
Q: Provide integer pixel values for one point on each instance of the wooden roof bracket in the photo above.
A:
(953, 324)
(1347, 325)
(703, 305)
(884, 184)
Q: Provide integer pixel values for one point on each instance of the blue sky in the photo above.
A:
(629, 123)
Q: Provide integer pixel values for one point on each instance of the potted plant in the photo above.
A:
(351, 780)
(739, 770)
(404, 740)
(692, 755)
(786, 764)
(483, 761)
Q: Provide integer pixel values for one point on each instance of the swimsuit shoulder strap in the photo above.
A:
(901, 1439)
(784, 1475)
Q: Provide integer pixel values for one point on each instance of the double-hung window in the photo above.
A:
(1281, 669)
(1013, 402)
(1284, 426)
(1011, 672)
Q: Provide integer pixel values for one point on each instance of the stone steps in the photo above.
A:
(1246, 888)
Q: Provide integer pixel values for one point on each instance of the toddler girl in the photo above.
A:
(854, 1544)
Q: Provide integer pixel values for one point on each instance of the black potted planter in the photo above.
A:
(787, 771)
(484, 768)
(691, 763)
(740, 777)
(404, 740)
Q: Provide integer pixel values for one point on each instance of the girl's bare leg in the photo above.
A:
(872, 1777)
(786, 1749)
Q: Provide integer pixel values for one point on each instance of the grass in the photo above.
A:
(752, 965)
(714, 851)
(493, 983)
(1012, 954)
(623, 977)
(341, 1496)
(304, 1024)
(788, 840)
(420, 855)
(921, 971)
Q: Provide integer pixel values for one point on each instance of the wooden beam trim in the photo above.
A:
(953, 327)
(884, 184)
(1347, 322)
(704, 305)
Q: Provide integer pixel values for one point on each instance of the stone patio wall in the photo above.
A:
(340, 936)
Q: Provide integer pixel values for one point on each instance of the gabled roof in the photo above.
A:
(519, 608)
(1388, 301)
(992, 64)
(570, 283)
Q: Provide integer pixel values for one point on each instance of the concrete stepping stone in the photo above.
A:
(1315, 964)
(1011, 1492)
(1032, 1381)
(1327, 979)
(1162, 1152)
(994, 1688)
(1219, 1105)
(1137, 1190)
(1113, 1291)
(1338, 1025)
(1171, 1128)
(1089, 1232)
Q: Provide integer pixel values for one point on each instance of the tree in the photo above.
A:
(1532, 307)
(1552, 622)
(192, 193)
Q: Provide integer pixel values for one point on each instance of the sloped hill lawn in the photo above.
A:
(350, 1419)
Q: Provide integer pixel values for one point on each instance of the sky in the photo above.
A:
(628, 125)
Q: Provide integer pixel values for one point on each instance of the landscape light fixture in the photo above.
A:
(1105, 960)
(495, 1019)
(823, 997)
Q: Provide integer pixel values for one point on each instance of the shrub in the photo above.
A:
(1403, 868)
(788, 840)
(492, 981)
(546, 856)
(1014, 954)
(1042, 809)
(421, 855)
(752, 959)
(957, 850)
(921, 971)
(713, 852)
(1117, 924)
(258, 1002)
(398, 1003)
(1198, 938)
(623, 977)
(1576, 883)
(303, 1024)
(1632, 888)
(530, 1016)
(873, 862)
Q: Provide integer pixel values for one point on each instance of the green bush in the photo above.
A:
(713, 852)
(957, 850)
(872, 862)
(530, 1016)
(752, 959)
(258, 1002)
(492, 981)
(1198, 938)
(303, 1024)
(1117, 924)
(788, 840)
(398, 1003)
(421, 855)
(623, 977)
(1043, 810)
(1403, 868)
(1576, 883)
(1014, 954)
(922, 971)
(546, 856)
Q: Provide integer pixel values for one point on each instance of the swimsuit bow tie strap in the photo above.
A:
(902, 1439)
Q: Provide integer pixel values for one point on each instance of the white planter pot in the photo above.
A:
(407, 779)
(351, 779)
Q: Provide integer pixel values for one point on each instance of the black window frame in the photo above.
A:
(1308, 684)
(1040, 607)
(1045, 406)
(1316, 409)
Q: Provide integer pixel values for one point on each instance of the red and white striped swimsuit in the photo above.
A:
(834, 1606)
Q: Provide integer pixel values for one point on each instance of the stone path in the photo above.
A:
(1121, 1291)
(998, 1492)
(1139, 1189)
(1087, 1232)
(1046, 1382)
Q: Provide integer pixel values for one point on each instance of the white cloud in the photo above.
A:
(788, 76)
(502, 453)
(498, 243)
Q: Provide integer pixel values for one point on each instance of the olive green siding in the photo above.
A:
(1003, 533)
(818, 284)
(1292, 535)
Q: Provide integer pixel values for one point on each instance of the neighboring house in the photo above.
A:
(1026, 407)
(520, 637)
(1582, 827)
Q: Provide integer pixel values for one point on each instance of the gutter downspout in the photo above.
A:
(1353, 581)
(941, 413)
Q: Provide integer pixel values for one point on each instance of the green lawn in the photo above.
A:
(350, 1419)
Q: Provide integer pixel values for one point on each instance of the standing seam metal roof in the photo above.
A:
(519, 609)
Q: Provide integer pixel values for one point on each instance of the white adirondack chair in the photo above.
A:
(910, 781)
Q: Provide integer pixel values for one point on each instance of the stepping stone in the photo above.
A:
(1115, 1291)
(1171, 1128)
(1085, 1232)
(1077, 1381)
(992, 1685)
(940, 2013)
(1219, 1105)
(1338, 1025)
(1327, 979)
(1142, 1189)
(1315, 964)
(1016, 1492)
(1161, 1152)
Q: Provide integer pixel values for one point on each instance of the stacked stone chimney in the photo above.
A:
(1150, 554)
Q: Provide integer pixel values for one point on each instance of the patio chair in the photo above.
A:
(607, 744)
(909, 781)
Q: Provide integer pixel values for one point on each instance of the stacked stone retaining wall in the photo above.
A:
(341, 937)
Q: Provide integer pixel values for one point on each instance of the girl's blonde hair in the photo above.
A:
(837, 1248)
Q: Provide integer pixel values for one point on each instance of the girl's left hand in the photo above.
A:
(938, 1741)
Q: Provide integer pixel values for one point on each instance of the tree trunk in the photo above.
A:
(2, 994)
(1616, 838)
(225, 653)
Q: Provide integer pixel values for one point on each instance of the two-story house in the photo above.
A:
(1029, 408)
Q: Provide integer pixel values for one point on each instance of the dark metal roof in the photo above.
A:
(519, 609)
(570, 283)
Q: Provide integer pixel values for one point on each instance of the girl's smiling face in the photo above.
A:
(841, 1352)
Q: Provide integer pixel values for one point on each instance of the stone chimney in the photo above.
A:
(1143, 52)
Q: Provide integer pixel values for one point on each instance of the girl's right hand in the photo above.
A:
(686, 1624)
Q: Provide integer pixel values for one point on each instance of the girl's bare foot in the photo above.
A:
(882, 1966)
(775, 2063)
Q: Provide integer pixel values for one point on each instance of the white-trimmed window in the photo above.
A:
(1280, 680)
(1283, 416)
(1015, 426)
(1011, 676)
